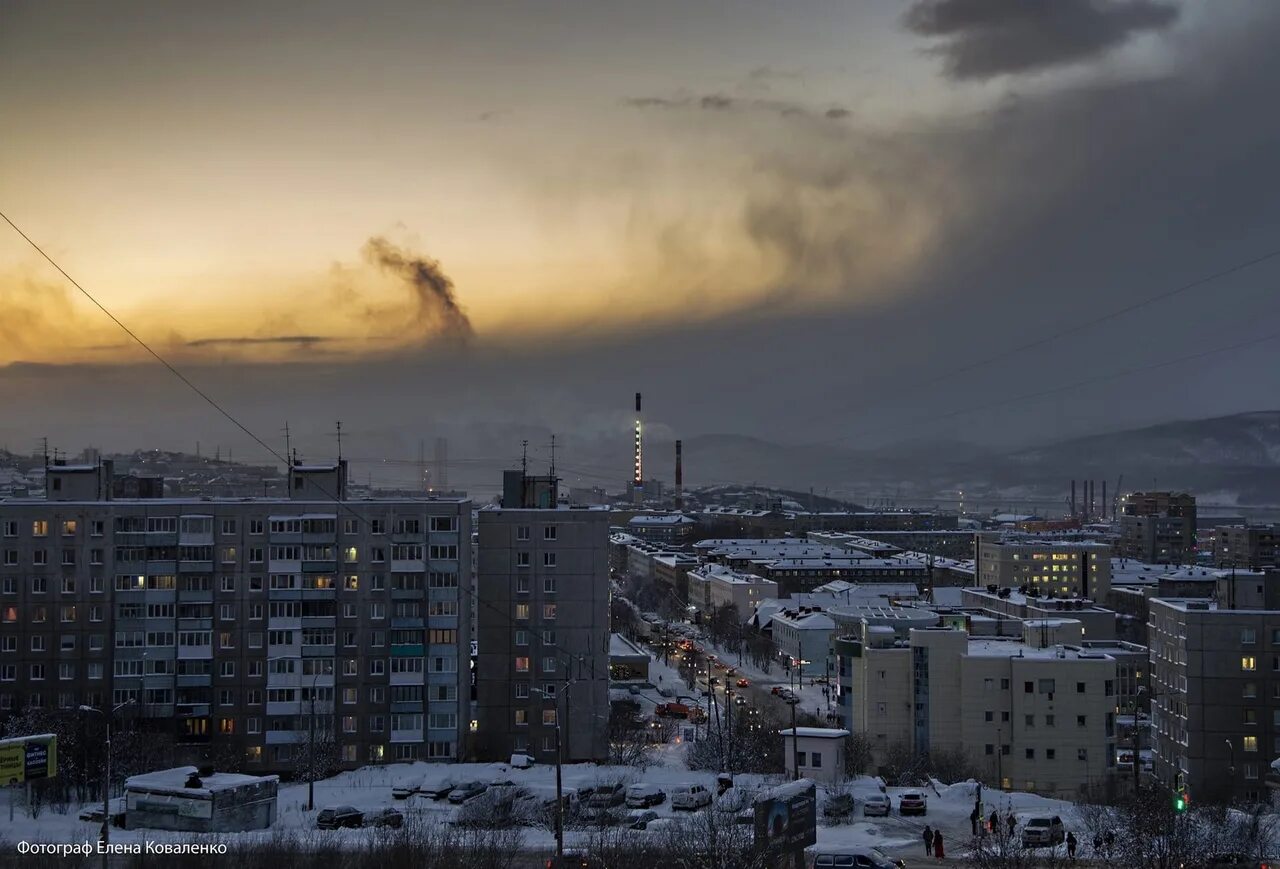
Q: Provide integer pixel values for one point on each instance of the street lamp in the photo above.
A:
(311, 745)
(795, 741)
(554, 698)
(106, 779)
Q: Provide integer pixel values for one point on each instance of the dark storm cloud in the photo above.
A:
(437, 302)
(988, 38)
(297, 340)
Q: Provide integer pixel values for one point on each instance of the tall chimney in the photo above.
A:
(1073, 499)
(637, 480)
(1103, 505)
(679, 475)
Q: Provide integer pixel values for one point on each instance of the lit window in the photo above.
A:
(1248, 663)
(1251, 743)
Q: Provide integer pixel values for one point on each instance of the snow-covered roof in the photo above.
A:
(621, 647)
(174, 781)
(660, 521)
(812, 621)
(818, 732)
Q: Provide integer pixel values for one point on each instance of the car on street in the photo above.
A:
(876, 804)
(437, 792)
(333, 817)
(639, 819)
(406, 790)
(1043, 830)
(387, 817)
(856, 858)
(690, 797)
(744, 683)
(607, 795)
(912, 803)
(739, 700)
(671, 710)
(642, 796)
(466, 791)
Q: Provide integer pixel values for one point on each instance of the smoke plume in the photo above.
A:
(438, 308)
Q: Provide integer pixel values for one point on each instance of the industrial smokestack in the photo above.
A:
(1073, 499)
(637, 479)
(1104, 501)
(679, 475)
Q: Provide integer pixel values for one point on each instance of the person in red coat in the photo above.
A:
(937, 845)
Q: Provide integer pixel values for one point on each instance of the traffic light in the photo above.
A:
(1181, 801)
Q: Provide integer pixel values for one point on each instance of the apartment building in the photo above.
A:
(1158, 527)
(1215, 691)
(543, 618)
(1058, 567)
(712, 586)
(1030, 715)
(1246, 546)
(233, 625)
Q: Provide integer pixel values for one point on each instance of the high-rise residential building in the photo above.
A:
(1246, 546)
(1047, 567)
(1158, 527)
(543, 623)
(1215, 688)
(240, 627)
(1035, 715)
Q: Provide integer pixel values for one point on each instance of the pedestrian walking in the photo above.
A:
(1109, 841)
(928, 840)
(995, 821)
(937, 846)
(1097, 843)
(973, 821)
(1071, 845)
(1013, 824)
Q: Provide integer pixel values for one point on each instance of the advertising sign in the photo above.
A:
(787, 817)
(26, 758)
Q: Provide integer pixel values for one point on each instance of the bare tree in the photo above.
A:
(631, 741)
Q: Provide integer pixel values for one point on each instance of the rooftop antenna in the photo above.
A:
(44, 448)
(288, 444)
(339, 425)
(553, 456)
(524, 457)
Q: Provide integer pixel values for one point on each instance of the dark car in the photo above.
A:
(437, 792)
(339, 816)
(387, 817)
(466, 791)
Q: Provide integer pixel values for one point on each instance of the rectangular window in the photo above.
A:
(1248, 636)
(548, 559)
(1248, 663)
(1251, 743)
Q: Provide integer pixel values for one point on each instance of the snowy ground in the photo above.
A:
(370, 788)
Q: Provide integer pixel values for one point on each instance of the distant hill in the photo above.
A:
(1226, 458)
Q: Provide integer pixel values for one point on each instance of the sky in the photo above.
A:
(804, 222)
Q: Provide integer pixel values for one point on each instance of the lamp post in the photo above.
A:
(311, 746)
(795, 740)
(106, 778)
(559, 772)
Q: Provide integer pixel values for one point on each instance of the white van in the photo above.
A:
(690, 797)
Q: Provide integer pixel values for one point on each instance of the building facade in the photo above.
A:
(244, 625)
(713, 586)
(1215, 696)
(543, 621)
(1029, 717)
(1246, 546)
(1066, 568)
(1158, 527)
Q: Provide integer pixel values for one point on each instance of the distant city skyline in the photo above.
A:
(787, 223)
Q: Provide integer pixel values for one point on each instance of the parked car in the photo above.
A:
(876, 804)
(838, 806)
(690, 797)
(437, 792)
(641, 796)
(466, 791)
(339, 816)
(406, 790)
(735, 799)
(639, 819)
(634, 690)
(862, 858)
(607, 795)
(912, 803)
(387, 817)
(1043, 830)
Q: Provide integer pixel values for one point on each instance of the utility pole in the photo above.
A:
(106, 713)
(795, 741)
(311, 747)
(559, 775)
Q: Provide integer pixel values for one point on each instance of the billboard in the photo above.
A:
(787, 817)
(26, 758)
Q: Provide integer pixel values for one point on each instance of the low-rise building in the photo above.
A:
(675, 528)
(1099, 623)
(803, 637)
(819, 753)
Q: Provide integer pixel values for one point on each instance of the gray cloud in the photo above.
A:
(724, 104)
(988, 38)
